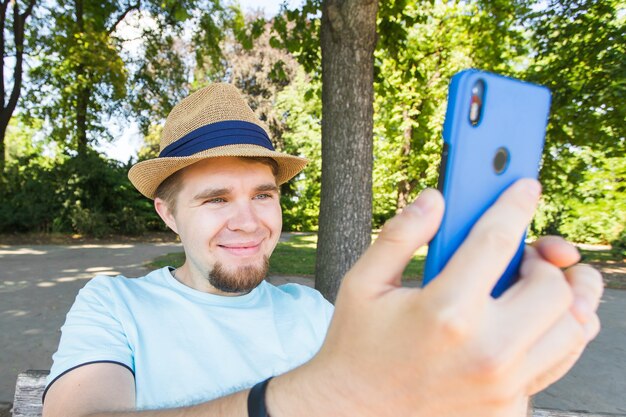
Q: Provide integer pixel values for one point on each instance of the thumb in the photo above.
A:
(386, 259)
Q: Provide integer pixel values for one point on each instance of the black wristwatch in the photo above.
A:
(256, 400)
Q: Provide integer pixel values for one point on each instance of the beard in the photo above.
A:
(242, 280)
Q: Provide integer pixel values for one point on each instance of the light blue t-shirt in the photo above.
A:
(185, 346)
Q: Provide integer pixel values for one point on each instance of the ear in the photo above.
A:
(163, 210)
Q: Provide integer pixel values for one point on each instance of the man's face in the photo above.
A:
(229, 220)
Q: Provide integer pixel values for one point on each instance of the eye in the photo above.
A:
(216, 200)
(263, 196)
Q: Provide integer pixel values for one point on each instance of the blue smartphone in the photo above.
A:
(493, 135)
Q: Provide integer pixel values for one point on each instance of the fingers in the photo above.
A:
(557, 251)
(492, 242)
(587, 286)
(401, 236)
(567, 302)
(554, 354)
(535, 303)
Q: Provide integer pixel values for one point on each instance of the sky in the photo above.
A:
(271, 7)
(129, 138)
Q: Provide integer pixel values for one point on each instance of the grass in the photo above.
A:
(595, 256)
(295, 257)
(174, 259)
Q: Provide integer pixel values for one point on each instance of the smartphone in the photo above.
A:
(493, 135)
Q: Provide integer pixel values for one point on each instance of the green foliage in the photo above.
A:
(174, 259)
(295, 257)
(98, 199)
(297, 31)
(422, 44)
(591, 206)
(80, 76)
(618, 246)
(166, 71)
(89, 196)
(151, 140)
(28, 199)
(571, 46)
(580, 57)
(172, 65)
(21, 139)
(301, 108)
(160, 81)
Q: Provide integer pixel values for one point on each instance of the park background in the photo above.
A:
(81, 79)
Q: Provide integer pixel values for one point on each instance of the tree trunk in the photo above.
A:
(348, 39)
(82, 101)
(81, 118)
(3, 130)
(8, 106)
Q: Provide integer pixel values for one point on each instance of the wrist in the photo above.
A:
(256, 399)
(311, 391)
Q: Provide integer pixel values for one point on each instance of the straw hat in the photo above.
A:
(214, 121)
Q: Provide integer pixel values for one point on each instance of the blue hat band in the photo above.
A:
(229, 132)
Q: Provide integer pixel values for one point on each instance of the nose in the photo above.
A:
(244, 218)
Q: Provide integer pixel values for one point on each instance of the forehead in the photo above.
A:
(226, 171)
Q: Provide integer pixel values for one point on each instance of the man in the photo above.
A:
(192, 341)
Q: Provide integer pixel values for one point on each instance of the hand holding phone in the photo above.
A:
(493, 135)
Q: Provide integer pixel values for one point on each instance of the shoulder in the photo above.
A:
(120, 280)
(303, 296)
(296, 291)
(106, 287)
(301, 301)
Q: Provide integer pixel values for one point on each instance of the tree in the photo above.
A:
(422, 45)
(258, 70)
(14, 41)
(579, 55)
(348, 40)
(169, 66)
(301, 109)
(80, 77)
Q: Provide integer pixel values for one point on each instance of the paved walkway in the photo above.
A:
(38, 285)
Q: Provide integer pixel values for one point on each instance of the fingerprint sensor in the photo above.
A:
(501, 160)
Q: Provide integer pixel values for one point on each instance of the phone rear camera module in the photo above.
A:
(501, 160)
(476, 102)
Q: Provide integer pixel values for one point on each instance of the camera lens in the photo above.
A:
(501, 160)
(476, 102)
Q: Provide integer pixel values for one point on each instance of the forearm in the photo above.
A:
(299, 392)
(234, 405)
(312, 390)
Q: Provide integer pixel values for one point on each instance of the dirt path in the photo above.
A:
(38, 285)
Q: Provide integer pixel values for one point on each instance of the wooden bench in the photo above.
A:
(30, 386)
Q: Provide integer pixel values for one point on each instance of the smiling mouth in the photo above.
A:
(248, 248)
(241, 245)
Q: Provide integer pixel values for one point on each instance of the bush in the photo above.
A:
(28, 197)
(89, 195)
(86, 222)
(618, 246)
